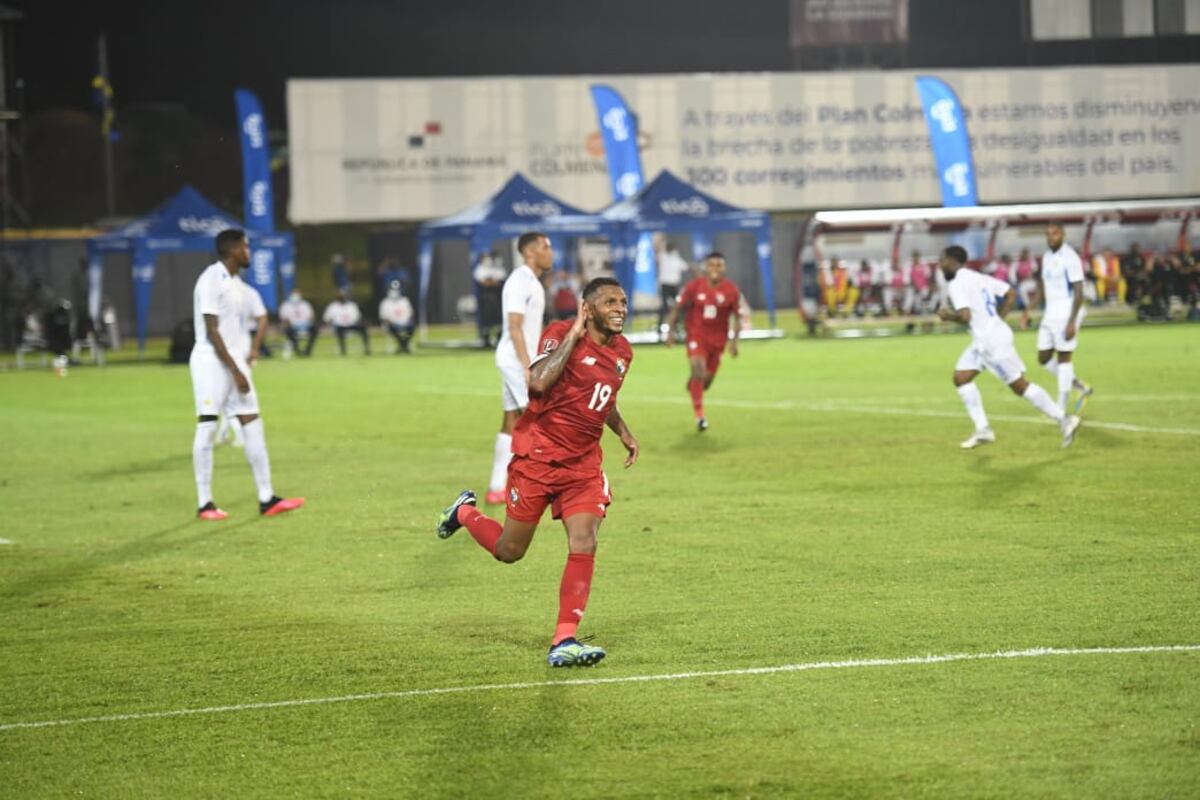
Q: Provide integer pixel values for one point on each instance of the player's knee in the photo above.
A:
(509, 553)
(1044, 356)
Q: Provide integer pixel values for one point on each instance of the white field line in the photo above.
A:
(7, 541)
(1036, 652)
(847, 407)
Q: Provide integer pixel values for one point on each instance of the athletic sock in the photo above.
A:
(482, 528)
(696, 390)
(501, 455)
(256, 455)
(971, 398)
(573, 594)
(1051, 366)
(1042, 402)
(202, 460)
(1066, 378)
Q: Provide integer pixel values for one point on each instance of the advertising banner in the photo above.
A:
(395, 149)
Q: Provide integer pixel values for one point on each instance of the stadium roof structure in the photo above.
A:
(186, 222)
(1020, 214)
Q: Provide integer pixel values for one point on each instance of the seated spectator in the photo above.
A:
(1026, 283)
(299, 321)
(1137, 281)
(396, 317)
(864, 282)
(1002, 269)
(344, 316)
(1106, 268)
(921, 275)
(489, 278)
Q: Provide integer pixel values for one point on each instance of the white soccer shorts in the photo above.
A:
(214, 390)
(1050, 334)
(514, 389)
(1000, 359)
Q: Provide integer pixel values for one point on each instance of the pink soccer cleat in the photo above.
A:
(279, 505)
(210, 511)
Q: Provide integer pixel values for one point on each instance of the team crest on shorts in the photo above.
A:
(621, 367)
(514, 496)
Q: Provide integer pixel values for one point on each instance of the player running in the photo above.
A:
(1060, 285)
(710, 301)
(557, 462)
(973, 297)
(221, 376)
(523, 302)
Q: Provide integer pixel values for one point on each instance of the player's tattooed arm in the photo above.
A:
(546, 371)
(616, 424)
(213, 330)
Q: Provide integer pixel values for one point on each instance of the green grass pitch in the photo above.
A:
(828, 515)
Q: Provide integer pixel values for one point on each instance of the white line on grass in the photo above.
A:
(7, 541)
(842, 407)
(1035, 652)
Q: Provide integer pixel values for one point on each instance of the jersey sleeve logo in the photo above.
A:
(621, 367)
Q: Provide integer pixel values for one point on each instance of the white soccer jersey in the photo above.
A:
(523, 294)
(220, 294)
(1059, 271)
(396, 311)
(297, 313)
(979, 292)
(342, 314)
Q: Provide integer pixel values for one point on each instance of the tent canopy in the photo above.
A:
(519, 206)
(186, 222)
(671, 205)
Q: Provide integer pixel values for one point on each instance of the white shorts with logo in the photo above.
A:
(1051, 336)
(513, 386)
(998, 357)
(214, 390)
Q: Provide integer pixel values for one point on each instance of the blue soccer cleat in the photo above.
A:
(573, 653)
(448, 522)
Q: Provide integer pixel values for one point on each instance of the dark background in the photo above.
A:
(174, 66)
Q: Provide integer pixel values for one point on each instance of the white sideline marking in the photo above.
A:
(1035, 652)
(839, 407)
(7, 541)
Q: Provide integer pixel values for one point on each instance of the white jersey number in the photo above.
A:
(601, 394)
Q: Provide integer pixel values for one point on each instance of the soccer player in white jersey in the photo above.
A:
(1060, 286)
(972, 296)
(523, 303)
(221, 376)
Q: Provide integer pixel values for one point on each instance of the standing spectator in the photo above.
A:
(1106, 267)
(864, 282)
(489, 278)
(921, 275)
(299, 320)
(340, 272)
(396, 317)
(344, 316)
(564, 295)
(1133, 267)
(671, 269)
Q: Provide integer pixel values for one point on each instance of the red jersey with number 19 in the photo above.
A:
(709, 308)
(563, 425)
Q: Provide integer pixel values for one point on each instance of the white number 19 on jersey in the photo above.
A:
(600, 397)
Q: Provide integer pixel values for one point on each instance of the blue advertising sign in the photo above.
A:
(950, 142)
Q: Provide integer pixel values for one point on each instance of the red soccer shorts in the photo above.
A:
(711, 353)
(533, 485)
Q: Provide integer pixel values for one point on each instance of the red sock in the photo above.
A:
(484, 529)
(696, 390)
(573, 594)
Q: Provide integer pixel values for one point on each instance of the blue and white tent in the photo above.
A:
(668, 204)
(518, 206)
(186, 222)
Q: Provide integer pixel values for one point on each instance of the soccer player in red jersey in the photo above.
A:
(557, 462)
(710, 301)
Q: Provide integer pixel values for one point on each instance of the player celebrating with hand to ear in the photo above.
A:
(557, 462)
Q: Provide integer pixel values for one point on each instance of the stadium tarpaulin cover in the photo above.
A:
(186, 222)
